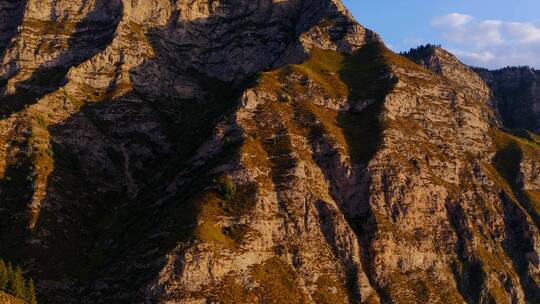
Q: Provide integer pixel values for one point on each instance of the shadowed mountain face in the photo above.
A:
(517, 95)
(254, 152)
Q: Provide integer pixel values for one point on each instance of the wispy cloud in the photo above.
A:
(454, 19)
(491, 43)
(482, 56)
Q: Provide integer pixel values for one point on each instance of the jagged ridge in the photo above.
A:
(254, 152)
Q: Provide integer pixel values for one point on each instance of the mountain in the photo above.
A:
(255, 152)
(517, 96)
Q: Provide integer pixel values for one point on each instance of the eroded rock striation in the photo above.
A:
(254, 152)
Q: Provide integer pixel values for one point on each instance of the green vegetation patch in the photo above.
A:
(278, 283)
(14, 284)
(230, 291)
(228, 200)
(361, 77)
(329, 291)
(50, 27)
(323, 67)
(419, 286)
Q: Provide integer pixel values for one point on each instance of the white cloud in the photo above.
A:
(459, 28)
(522, 32)
(454, 19)
(491, 43)
(482, 56)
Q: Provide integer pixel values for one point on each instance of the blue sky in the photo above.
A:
(489, 33)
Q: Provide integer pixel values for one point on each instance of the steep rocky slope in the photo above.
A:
(517, 94)
(253, 152)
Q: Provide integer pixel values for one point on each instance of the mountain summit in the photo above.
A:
(212, 151)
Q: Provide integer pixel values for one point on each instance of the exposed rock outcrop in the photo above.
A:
(517, 96)
(254, 152)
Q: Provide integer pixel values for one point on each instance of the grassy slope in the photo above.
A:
(354, 77)
(512, 149)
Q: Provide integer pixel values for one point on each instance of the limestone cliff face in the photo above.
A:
(253, 152)
(517, 95)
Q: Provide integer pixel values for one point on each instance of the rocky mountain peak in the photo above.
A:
(442, 62)
(199, 151)
(224, 39)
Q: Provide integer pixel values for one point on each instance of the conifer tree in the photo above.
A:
(12, 281)
(10, 275)
(16, 284)
(4, 279)
(30, 289)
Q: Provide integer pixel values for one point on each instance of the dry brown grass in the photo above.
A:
(278, 283)
(7, 299)
(329, 291)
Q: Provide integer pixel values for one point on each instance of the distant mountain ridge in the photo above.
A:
(517, 93)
